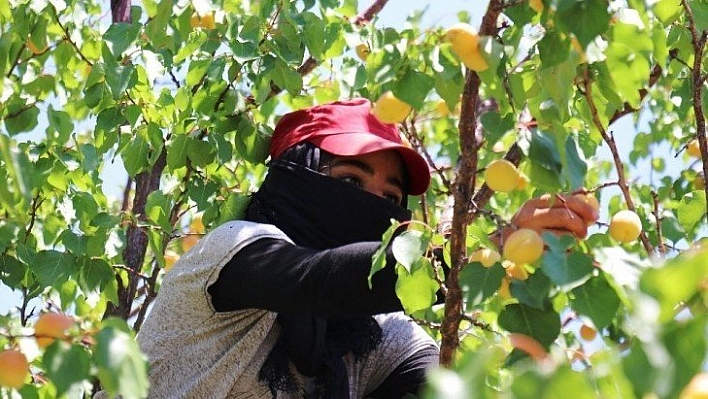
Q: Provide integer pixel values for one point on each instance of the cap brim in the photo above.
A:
(350, 144)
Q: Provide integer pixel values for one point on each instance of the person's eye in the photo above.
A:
(395, 198)
(352, 180)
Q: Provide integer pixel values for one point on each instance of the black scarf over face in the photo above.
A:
(318, 212)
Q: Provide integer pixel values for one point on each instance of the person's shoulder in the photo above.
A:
(248, 230)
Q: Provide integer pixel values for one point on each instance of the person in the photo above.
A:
(278, 304)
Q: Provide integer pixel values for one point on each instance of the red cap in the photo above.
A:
(348, 128)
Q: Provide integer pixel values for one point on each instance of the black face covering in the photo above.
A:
(318, 212)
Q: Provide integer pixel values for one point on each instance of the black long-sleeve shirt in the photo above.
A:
(276, 275)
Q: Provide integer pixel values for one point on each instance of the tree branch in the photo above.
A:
(462, 191)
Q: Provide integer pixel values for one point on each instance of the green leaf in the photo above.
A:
(561, 267)
(586, 18)
(413, 87)
(20, 117)
(686, 343)
(409, 246)
(200, 152)
(553, 49)
(135, 155)
(639, 370)
(53, 267)
(122, 369)
(66, 365)
(667, 11)
(196, 38)
(287, 78)
(119, 36)
(252, 142)
(675, 282)
(158, 209)
(96, 274)
(233, 208)
(596, 299)
(177, 152)
(416, 286)
(12, 271)
(59, 122)
(378, 259)
(314, 33)
(479, 283)
(120, 78)
(532, 291)
(691, 209)
(541, 325)
(546, 166)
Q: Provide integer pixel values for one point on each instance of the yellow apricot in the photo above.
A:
(501, 175)
(51, 326)
(197, 225)
(625, 226)
(504, 291)
(465, 44)
(171, 258)
(523, 182)
(486, 256)
(515, 271)
(362, 51)
(536, 5)
(14, 369)
(697, 388)
(188, 241)
(202, 21)
(693, 148)
(389, 109)
(523, 246)
(587, 333)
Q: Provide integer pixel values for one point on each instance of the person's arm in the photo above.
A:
(276, 275)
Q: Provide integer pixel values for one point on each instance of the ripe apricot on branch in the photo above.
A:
(202, 21)
(465, 44)
(51, 326)
(389, 109)
(501, 175)
(515, 271)
(587, 333)
(523, 246)
(362, 51)
(536, 5)
(504, 291)
(693, 148)
(625, 226)
(487, 257)
(697, 388)
(15, 369)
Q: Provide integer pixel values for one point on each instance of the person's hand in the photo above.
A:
(558, 214)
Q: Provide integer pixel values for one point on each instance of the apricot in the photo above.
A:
(465, 44)
(523, 246)
(697, 388)
(501, 175)
(51, 326)
(15, 369)
(487, 257)
(389, 109)
(171, 258)
(202, 21)
(625, 226)
(362, 51)
(515, 271)
(693, 148)
(587, 332)
(504, 291)
(536, 5)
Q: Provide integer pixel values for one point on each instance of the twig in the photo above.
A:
(698, 48)
(619, 165)
(655, 199)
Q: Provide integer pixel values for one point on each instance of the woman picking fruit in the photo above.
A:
(278, 304)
